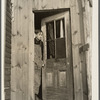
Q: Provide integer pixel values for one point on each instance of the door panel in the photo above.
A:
(57, 73)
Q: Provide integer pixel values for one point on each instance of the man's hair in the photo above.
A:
(37, 31)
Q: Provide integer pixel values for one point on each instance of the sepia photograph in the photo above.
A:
(47, 50)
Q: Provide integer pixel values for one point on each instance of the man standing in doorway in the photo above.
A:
(38, 58)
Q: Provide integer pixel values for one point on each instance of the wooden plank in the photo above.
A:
(7, 60)
(13, 63)
(8, 39)
(7, 84)
(8, 19)
(7, 97)
(51, 10)
(8, 55)
(8, 24)
(85, 97)
(8, 14)
(88, 35)
(31, 51)
(8, 50)
(84, 77)
(8, 9)
(7, 71)
(7, 78)
(75, 29)
(8, 29)
(8, 32)
(7, 94)
(83, 55)
(52, 4)
(7, 65)
(8, 3)
(8, 35)
(8, 45)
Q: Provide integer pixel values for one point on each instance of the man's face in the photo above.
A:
(39, 36)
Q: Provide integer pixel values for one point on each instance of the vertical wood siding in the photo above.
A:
(22, 70)
(87, 15)
(7, 68)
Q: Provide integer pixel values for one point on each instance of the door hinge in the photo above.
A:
(84, 48)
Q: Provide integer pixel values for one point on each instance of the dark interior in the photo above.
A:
(40, 14)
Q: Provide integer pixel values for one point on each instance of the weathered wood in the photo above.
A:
(7, 92)
(8, 34)
(87, 16)
(31, 51)
(8, 8)
(13, 56)
(8, 39)
(8, 19)
(84, 48)
(23, 25)
(8, 29)
(7, 61)
(91, 3)
(8, 45)
(8, 50)
(7, 84)
(7, 71)
(8, 24)
(7, 78)
(7, 65)
(21, 52)
(8, 14)
(8, 55)
(85, 97)
(8, 4)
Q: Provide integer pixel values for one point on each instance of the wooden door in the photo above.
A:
(57, 80)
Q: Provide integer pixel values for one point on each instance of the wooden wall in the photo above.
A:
(23, 44)
(22, 66)
(87, 15)
(7, 67)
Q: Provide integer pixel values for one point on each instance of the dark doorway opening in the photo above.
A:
(38, 16)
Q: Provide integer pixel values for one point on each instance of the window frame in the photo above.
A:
(54, 18)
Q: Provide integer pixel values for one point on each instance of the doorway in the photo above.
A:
(57, 74)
